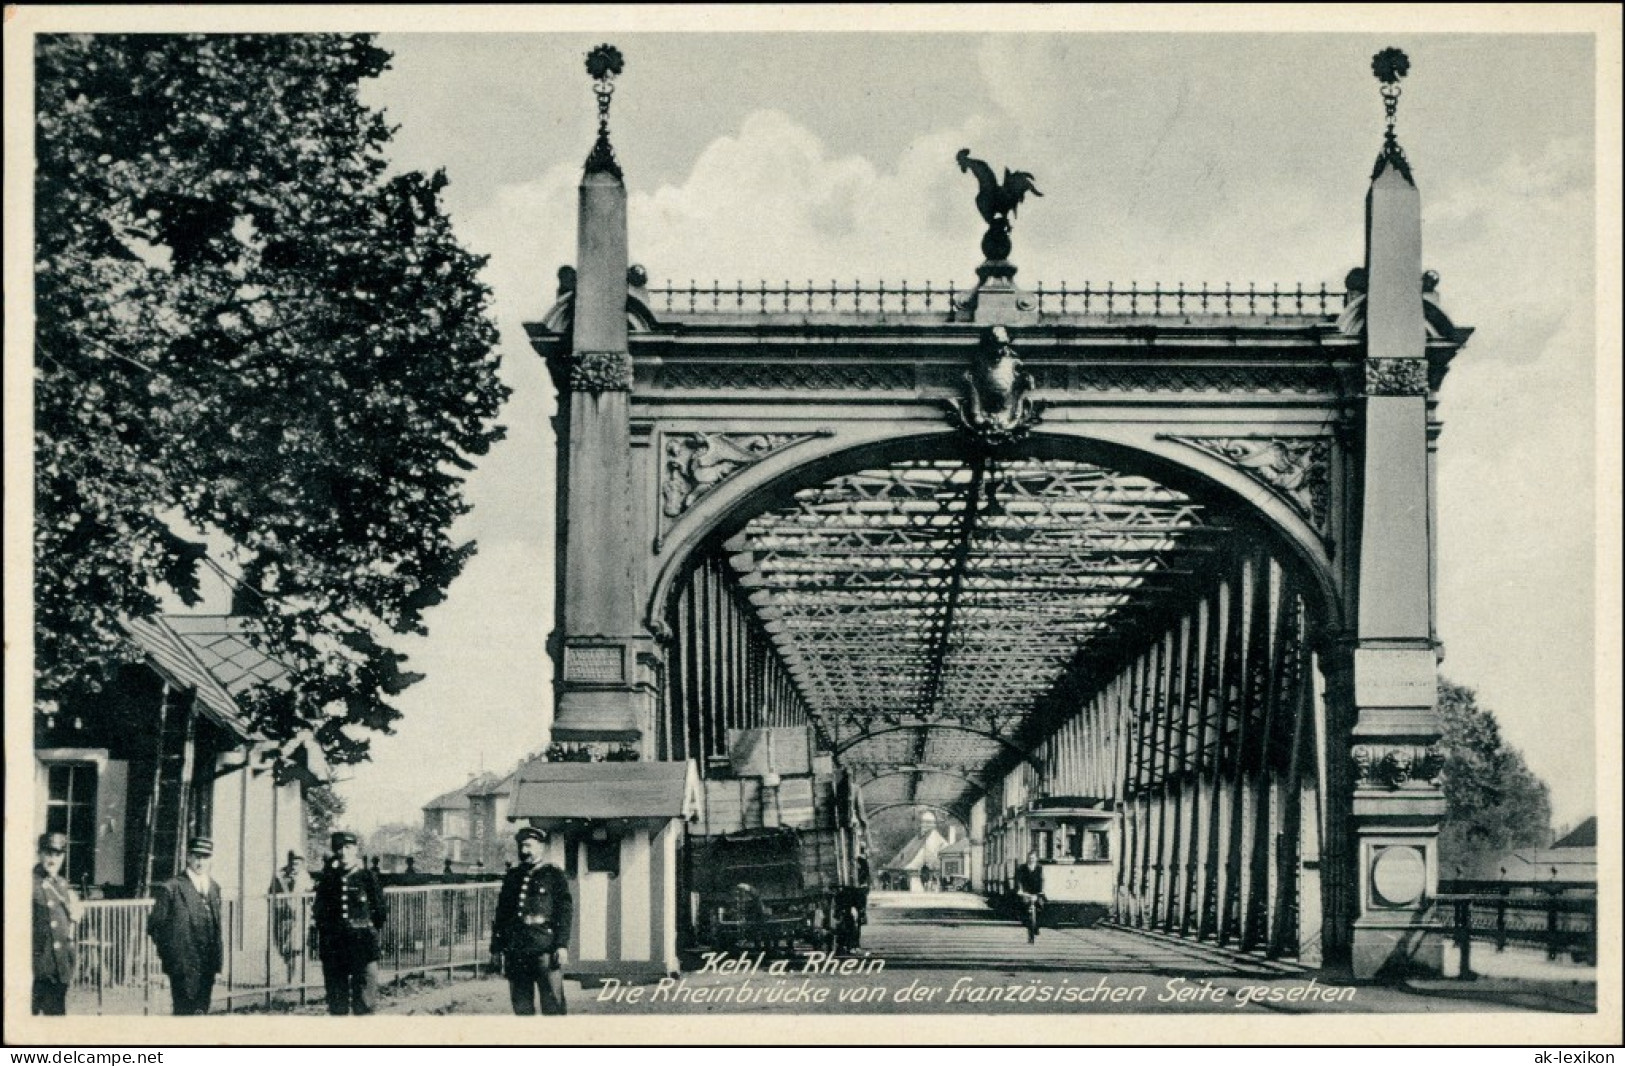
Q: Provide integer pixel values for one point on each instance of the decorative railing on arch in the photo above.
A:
(809, 299)
(1110, 301)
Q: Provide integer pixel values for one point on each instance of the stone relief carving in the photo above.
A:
(1397, 765)
(601, 372)
(1298, 469)
(996, 407)
(696, 463)
(1396, 377)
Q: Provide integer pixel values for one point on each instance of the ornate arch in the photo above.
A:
(1195, 464)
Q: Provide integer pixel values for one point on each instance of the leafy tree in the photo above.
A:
(247, 333)
(1494, 802)
(323, 808)
(428, 849)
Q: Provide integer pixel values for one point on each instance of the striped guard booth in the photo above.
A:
(614, 828)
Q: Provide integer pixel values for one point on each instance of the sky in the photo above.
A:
(1162, 158)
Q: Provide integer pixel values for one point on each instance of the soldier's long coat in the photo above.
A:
(53, 929)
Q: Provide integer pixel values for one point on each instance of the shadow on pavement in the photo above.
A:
(1557, 997)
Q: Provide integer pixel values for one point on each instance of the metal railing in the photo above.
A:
(1561, 922)
(1112, 301)
(810, 299)
(1181, 302)
(270, 950)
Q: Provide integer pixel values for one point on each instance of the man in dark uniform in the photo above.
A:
(185, 925)
(56, 916)
(350, 910)
(532, 927)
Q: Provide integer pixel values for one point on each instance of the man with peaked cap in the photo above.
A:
(350, 911)
(185, 925)
(531, 929)
(56, 916)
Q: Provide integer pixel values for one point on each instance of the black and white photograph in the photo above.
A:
(948, 524)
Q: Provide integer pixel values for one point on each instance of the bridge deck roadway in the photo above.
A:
(956, 930)
(947, 953)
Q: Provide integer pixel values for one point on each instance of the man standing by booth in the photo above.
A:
(532, 927)
(185, 925)
(350, 910)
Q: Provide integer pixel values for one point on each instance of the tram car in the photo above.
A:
(1078, 840)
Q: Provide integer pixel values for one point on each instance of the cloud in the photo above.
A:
(1516, 461)
(771, 202)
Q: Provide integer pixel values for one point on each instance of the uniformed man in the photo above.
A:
(185, 925)
(56, 916)
(532, 927)
(350, 910)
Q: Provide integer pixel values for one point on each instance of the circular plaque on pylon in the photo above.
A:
(1399, 876)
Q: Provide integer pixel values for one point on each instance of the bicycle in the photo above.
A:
(1031, 905)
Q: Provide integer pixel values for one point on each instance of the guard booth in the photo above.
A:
(614, 828)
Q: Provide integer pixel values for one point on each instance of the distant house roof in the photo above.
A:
(1569, 865)
(1583, 835)
(958, 847)
(922, 850)
(457, 798)
(602, 790)
(492, 785)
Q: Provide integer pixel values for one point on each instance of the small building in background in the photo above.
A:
(164, 752)
(917, 866)
(491, 841)
(954, 860)
(447, 816)
(1570, 863)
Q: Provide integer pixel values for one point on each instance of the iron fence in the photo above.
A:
(1562, 922)
(1110, 301)
(271, 954)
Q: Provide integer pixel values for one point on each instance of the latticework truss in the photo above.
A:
(924, 608)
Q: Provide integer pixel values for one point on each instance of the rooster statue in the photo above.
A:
(997, 202)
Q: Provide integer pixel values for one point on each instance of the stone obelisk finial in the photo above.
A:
(603, 63)
(1389, 66)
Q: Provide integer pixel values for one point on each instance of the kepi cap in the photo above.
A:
(200, 846)
(343, 837)
(530, 832)
(294, 856)
(57, 842)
